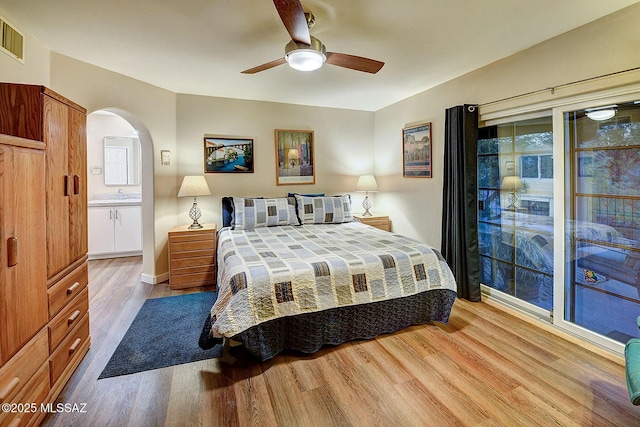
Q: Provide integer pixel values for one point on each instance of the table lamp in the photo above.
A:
(194, 186)
(512, 184)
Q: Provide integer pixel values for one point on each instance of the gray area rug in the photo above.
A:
(164, 333)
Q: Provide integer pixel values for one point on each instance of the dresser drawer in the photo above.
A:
(20, 368)
(192, 235)
(33, 393)
(68, 318)
(67, 289)
(193, 279)
(206, 253)
(193, 245)
(69, 349)
(184, 262)
(192, 269)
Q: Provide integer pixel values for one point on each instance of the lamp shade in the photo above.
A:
(511, 182)
(367, 183)
(194, 186)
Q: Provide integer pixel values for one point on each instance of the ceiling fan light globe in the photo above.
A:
(601, 114)
(305, 59)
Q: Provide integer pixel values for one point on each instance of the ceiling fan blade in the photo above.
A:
(266, 66)
(293, 18)
(353, 62)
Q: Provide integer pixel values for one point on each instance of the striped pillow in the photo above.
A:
(254, 213)
(324, 210)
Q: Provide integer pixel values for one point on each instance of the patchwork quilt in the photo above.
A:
(272, 272)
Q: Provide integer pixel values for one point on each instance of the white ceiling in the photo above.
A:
(200, 46)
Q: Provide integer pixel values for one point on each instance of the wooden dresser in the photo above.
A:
(378, 221)
(39, 354)
(192, 256)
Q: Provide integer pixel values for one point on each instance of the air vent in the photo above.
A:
(11, 40)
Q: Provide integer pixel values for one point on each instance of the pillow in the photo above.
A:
(254, 213)
(324, 210)
(227, 211)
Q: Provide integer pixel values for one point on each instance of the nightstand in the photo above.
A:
(378, 221)
(192, 256)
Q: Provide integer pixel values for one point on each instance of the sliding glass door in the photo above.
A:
(567, 244)
(602, 250)
(515, 209)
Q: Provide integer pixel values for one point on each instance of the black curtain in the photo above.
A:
(459, 204)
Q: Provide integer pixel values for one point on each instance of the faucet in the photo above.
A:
(120, 194)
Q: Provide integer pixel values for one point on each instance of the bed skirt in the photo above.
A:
(310, 331)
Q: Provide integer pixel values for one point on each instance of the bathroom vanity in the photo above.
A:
(115, 227)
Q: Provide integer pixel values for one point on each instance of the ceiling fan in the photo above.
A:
(305, 52)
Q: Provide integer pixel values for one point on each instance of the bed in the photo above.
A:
(298, 273)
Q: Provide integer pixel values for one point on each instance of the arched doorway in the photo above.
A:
(145, 186)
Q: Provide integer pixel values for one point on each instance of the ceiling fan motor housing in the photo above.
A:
(315, 45)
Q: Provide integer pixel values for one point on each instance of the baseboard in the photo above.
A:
(154, 280)
(115, 255)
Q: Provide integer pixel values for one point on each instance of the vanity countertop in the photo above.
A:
(115, 202)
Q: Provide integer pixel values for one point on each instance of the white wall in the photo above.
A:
(343, 140)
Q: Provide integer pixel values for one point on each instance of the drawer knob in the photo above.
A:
(6, 391)
(73, 287)
(74, 346)
(73, 317)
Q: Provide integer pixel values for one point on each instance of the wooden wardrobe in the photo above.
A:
(44, 303)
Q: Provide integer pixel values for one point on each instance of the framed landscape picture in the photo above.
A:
(416, 151)
(295, 157)
(228, 155)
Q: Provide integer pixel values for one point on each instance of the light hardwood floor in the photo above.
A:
(485, 368)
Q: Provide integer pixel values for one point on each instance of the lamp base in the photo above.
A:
(366, 204)
(194, 214)
(512, 202)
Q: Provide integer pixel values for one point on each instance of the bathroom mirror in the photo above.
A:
(121, 160)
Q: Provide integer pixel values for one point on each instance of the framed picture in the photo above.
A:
(416, 151)
(228, 155)
(295, 157)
